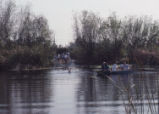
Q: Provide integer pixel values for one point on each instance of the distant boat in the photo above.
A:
(107, 73)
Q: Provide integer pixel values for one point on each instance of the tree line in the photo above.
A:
(27, 41)
(25, 38)
(111, 39)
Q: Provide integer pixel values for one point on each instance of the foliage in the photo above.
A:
(112, 39)
(25, 40)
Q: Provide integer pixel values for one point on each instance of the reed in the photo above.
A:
(140, 97)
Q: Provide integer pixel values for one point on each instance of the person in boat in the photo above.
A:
(66, 58)
(68, 62)
(121, 67)
(58, 57)
(125, 66)
(115, 67)
(105, 66)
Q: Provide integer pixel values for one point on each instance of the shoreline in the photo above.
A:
(33, 70)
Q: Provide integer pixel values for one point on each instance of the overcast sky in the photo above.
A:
(60, 12)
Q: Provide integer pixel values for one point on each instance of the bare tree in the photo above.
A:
(6, 22)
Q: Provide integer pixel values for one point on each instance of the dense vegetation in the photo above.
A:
(25, 39)
(27, 42)
(112, 39)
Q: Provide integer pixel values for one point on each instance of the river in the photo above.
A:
(80, 92)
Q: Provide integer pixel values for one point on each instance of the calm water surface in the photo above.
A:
(78, 92)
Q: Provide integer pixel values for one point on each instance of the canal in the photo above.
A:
(80, 92)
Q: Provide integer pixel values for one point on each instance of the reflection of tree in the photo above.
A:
(102, 92)
(96, 89)
(3, 89)
(91, 91)
(87, 90)
(26, 92)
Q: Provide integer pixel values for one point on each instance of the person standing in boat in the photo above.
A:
(105, 66)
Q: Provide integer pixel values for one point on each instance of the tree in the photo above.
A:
(6, 23)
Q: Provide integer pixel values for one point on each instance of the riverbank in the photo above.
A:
(26, 69)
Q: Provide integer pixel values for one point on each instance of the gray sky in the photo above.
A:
(60, 12)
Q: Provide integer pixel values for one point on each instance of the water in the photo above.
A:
(60, 92)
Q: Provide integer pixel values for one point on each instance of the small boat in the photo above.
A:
(107, 73)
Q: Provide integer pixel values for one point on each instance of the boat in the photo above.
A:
(107, 73)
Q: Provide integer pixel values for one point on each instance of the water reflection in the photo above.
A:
(79, 92)
(95, 94)
(25, 94)
(107, 95)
